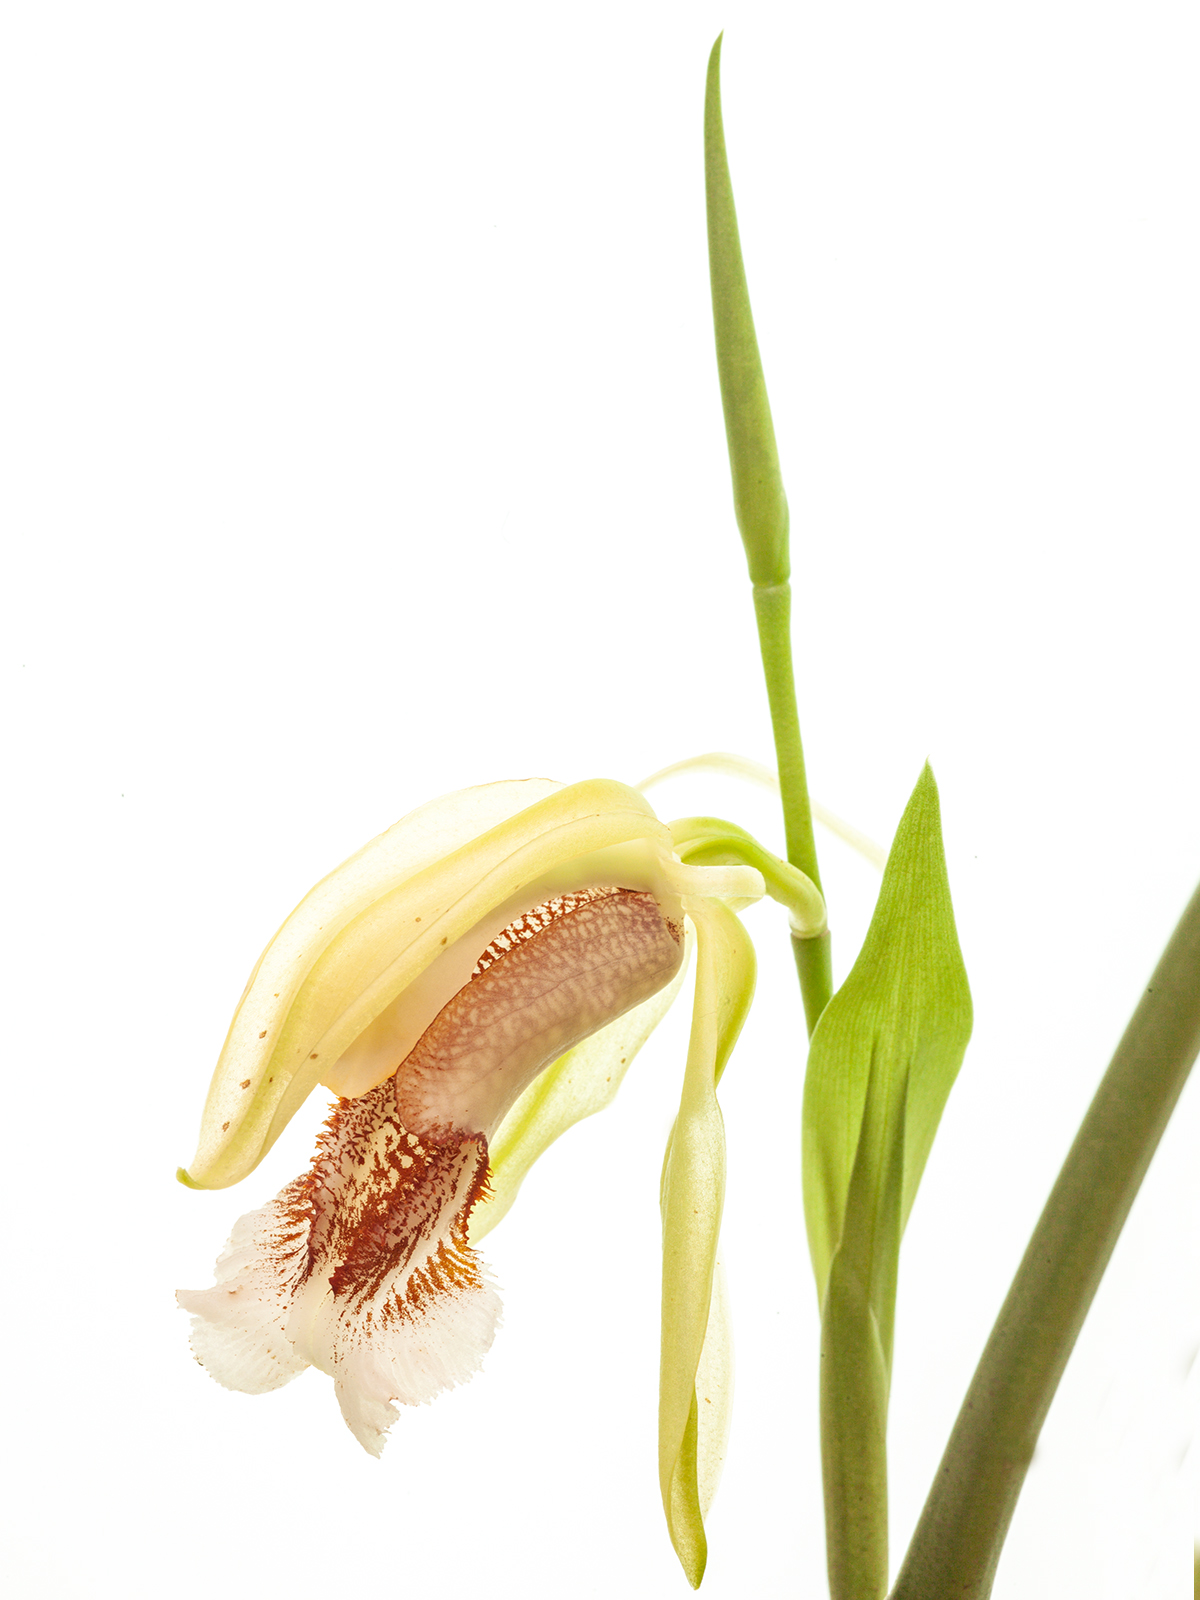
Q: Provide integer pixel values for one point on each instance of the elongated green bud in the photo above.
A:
(759, 502)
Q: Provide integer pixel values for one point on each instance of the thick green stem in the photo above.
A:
(854, 1406)
(957, 1543)
(857, 1321)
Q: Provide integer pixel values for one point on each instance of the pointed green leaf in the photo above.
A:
(901, 1020)
(883, 1058)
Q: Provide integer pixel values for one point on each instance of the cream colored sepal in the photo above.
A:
(371, 955)
(695, 1345)
(367, 933)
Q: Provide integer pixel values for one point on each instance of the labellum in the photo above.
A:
(362, 1267)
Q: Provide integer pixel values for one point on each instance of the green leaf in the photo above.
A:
(884, 1056)
(899, 1024)
(694, 1335)
(961, 1531)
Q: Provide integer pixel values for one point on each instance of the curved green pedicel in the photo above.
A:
(713, 841)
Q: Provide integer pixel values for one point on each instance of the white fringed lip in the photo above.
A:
(362, 1266)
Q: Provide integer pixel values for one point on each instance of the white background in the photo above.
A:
(364, 443)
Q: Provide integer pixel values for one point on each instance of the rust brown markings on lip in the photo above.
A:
(532, 923)
(384, 1209)
(551, 978)
(379, 1199)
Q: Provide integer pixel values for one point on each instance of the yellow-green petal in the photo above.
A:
(729, 765)
(693, 1187)
(714, 1392)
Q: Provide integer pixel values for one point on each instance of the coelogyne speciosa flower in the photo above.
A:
(470, 984)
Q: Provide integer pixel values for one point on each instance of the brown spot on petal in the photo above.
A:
(245, 1084)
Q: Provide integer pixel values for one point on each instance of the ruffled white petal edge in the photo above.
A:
(383, 1349)
(360, 1267)
(239, 1326)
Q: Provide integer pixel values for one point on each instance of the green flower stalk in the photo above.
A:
(886, 1047)
(761, 508)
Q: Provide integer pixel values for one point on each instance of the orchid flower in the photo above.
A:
(470, 984)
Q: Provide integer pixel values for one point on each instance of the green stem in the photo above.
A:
(857, 1321)
(762, 516)
(854, 1404)
(956, 1546)
(772, 610)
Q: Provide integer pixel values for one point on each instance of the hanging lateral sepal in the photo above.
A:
(695, 1378)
